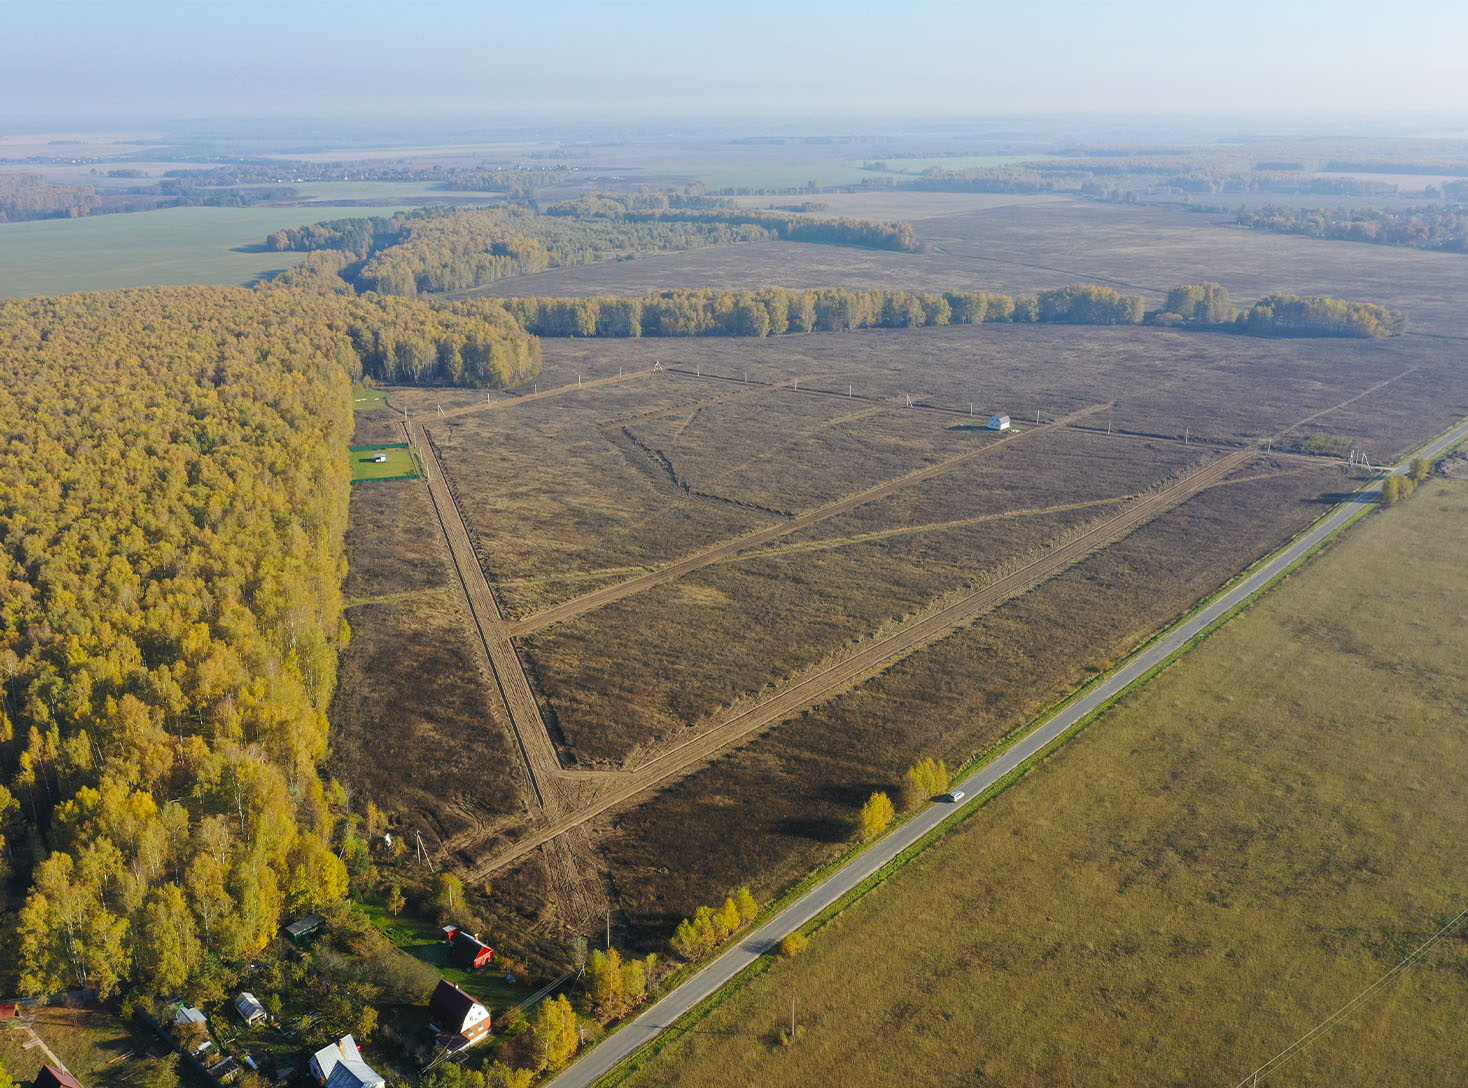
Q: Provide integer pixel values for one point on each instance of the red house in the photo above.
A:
(51, 1077)
(467, 950)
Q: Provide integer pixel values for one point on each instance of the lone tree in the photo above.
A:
(875, 816)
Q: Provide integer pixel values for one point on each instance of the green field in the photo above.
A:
(1206, 873)
(174, 245)
(400, 463)
(368, 399)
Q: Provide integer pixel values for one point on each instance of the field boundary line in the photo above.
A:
(519, 700)
(599, 598)
(838, 676)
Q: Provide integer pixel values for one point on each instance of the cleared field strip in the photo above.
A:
(840, 676)
(526, 398)
(541, 762)
(597, 598)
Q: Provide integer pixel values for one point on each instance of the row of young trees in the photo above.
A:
(170, 614)
(775, 311)
(711, 926)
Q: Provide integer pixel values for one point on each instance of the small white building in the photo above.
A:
(380, 459)
(998, 422)
(340, 1065)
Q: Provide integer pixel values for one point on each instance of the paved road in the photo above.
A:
(647, 1026)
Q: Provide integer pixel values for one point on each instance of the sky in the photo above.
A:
(84, 61)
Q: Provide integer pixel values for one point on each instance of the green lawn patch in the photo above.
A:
(387, 462)
(367, 399)
(423, 940)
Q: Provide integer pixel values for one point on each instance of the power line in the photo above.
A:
(1309, 1037)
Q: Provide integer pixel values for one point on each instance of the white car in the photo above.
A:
(952, 798)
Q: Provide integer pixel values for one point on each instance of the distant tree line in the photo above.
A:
(434, 250)
(31, 196)
(1439, 227)
(664, 207)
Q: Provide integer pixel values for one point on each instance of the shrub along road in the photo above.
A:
(708, 980)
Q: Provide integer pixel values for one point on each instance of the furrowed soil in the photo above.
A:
(634, 673)
(950, 701)
(1214, 867)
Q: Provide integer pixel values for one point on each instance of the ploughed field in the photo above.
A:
(700, 525)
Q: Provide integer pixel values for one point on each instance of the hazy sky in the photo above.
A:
(83, 59)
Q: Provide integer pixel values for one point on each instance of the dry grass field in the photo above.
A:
(1211, 869)
(413, 693)
(950, 700)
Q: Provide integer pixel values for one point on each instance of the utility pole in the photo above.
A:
(792, 1016)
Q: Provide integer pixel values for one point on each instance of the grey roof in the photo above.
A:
(341, 1065)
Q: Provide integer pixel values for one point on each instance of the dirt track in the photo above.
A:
(541, 762)
(597, 598)
(840, 676)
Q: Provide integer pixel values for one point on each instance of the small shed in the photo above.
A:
(51, 1077)
(379, 459)
(469, 951)
(250, 1009)
(999, 422)
(305, 930)
(456, 1018)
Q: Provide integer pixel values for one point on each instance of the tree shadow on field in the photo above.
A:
(824, 829)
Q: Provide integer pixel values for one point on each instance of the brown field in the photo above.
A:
(414, 691)
(1212, 869)
(637, 671)
(951, 700)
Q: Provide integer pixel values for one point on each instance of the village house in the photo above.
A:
(999, 422)
(341, 1065)
(457, 1019)
(51, 1077)
(466, 949)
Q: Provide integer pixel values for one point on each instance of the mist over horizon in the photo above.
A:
(83, 65)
